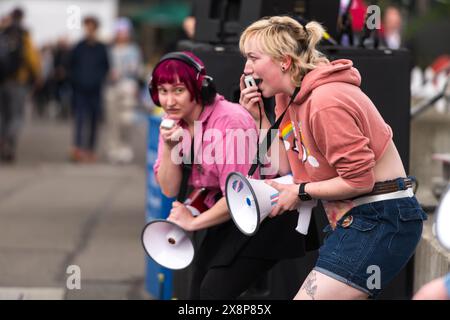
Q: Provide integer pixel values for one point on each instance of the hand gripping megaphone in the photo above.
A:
(167, 243)
(250, 201)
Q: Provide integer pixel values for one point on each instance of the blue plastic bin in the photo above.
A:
(158, 280)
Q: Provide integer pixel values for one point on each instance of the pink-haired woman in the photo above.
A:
(226, 262)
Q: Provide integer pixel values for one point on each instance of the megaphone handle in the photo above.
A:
(193, 210)
(304, 217)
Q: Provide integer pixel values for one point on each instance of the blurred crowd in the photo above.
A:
(89, 83)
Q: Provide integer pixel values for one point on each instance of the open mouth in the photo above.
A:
(258, 84)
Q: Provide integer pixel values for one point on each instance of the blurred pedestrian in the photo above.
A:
(189, 26)
(391, 32)
(43, 95)
(89, 66)
(61, 66)
(19, 68)
(122, 92)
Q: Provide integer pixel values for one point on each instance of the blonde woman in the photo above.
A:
(341, 152)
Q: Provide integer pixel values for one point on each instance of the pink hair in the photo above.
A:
(173, 70)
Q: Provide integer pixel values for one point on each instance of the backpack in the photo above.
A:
(11, 51)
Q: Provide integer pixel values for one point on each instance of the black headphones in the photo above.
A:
(208, 88)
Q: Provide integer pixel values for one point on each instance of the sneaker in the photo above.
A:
(7, 153)
(77, 155)
(89, 157)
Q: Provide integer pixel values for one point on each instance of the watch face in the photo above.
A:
(305, 197)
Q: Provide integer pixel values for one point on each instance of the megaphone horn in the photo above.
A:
(168, 244)
(250, 201)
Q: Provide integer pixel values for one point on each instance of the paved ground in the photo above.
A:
(55, 214)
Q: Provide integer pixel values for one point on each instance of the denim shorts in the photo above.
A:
(372, 243)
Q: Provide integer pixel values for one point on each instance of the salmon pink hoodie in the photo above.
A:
(337, 130)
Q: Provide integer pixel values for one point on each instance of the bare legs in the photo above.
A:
(319, 286)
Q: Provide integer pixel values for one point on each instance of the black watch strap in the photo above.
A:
(302, 194)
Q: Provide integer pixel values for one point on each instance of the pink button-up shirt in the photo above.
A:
(225, 141)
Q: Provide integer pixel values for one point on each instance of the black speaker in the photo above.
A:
(224, 64)
(222, 21)
(386, 80)
(324, 11)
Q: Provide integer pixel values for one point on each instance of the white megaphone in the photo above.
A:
(250, 201)
(167, 243)
(442, 224)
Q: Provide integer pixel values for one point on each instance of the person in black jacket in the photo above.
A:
(88, 69)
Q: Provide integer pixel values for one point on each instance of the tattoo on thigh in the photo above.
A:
(310, 285)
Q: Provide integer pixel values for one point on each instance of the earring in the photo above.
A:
(283, 68)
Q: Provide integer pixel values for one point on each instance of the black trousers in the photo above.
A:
(88, 109)
(227, 262)
(228, 282)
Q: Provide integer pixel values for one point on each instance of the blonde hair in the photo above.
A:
(281, 37)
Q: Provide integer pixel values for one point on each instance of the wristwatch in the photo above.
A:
(302, 194)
